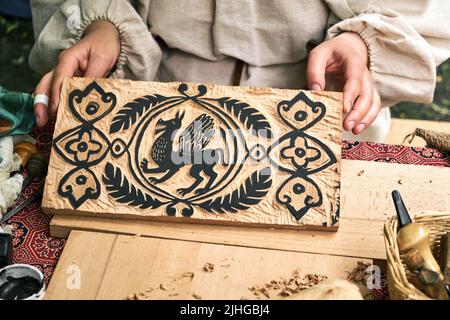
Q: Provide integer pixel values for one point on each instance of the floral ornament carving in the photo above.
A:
(84, 146)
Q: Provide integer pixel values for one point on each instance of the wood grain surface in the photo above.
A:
(107, 266)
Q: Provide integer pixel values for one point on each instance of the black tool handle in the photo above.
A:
(402, 213)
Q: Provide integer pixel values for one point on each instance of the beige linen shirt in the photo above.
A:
(202, 40)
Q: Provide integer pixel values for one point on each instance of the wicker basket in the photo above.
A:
(398, 286)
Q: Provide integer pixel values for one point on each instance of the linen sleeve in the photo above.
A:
(60, 28)
(406, 42)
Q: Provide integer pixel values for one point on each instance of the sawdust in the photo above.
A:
(163, 287)
(208, 267)
(359, 273)
(196, 296)
(360, 276)
(188, 275)
(286, 287)
(148, 293)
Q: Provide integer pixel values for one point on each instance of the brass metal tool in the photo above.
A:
(413, 235)
(25, 150)
(427, 281)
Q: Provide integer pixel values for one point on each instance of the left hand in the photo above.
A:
(346, 56)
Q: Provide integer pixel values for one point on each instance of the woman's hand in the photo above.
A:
(94, 56)
(345, 57)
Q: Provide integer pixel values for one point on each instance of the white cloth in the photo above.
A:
(201, 40)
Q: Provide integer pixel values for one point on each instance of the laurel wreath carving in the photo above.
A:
(130, 112)
(118, 187)
(249, 116)
(251, 192)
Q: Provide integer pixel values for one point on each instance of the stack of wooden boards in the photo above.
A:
(100, 175)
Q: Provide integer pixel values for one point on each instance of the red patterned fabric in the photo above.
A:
(371, 151)
(34, 245)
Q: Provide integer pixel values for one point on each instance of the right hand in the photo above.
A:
(93, 56)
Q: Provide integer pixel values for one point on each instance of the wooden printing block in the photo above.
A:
(196, 153)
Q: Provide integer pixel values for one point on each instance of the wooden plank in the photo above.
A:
(196, 153)
(356, 238)
(81, 253)
(136, 264)
(366, 205)
(367, 187)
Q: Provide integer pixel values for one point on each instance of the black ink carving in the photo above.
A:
(250, 117)
(84, 146)
(192, 152)
(250, 193)
(130, 112)
(221, 120)
(307, 155)
(123, 191)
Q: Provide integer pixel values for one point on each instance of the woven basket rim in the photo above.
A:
(398, 285)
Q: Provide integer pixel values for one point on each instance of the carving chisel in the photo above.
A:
(413, 235)
(35, 196)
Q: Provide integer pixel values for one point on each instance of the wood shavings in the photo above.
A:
(208, 267)
(359, 274)
(286, 287)
(196, 296)
(172, 287)
(188, 275)
(163, 287)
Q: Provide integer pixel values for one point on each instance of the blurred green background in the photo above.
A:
(16, 40)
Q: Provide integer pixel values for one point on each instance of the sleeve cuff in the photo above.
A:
(400, 61)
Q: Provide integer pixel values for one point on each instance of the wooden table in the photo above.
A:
(114, 264)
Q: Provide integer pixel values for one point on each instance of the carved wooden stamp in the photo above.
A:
(199, 153)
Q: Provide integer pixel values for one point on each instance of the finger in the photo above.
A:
(354, 70)
(67, 67)
(361, 106)
(371, 114)
(316, 67)
(98, 66)
(40, 109)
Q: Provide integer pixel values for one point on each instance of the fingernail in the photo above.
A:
(360, 128)
(316, 87)
(351, 124)
(38, 119)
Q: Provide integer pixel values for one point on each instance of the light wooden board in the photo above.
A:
(367, 203)
(196, 153)
(400, 128)
(124, 265)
